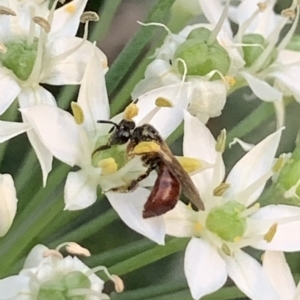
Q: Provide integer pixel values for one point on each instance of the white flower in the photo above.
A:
(8, 203)
(75, 143)
(47, 275)
(38, 46)
(229, 222)
(280, 275)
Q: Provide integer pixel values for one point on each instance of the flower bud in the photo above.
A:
(225, 221)
(200, 33)
(257, 44)
(201, 58)
(8, 203)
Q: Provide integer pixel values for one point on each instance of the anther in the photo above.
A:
(221, 141)
(226, 249)
(77, 113)
(74, 248)
(163, 102)
(42, 22)
(268, 237)
(51, 252)
(88, 16)
(6, 11)
(189, 164)
(262, 6)
(280, 162)
(221, 189)
(131, 111)
(108, 165)
(289, 13)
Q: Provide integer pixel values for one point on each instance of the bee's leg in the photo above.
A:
(103, 147)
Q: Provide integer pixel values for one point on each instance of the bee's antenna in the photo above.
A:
(109, 122)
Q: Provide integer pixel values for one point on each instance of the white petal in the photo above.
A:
(9, 130)
(67, 18)
(92, 96)
(199, 143)
(35, 95)
(59, 133)
(204, 269)
(130, 207)
(9, 90)
(165, 120)
(261, 89)
(35, 257)
(59, 70)
(279, 274)
(249, 276)
(8, 203)
(180, 221)
(80, 190)
(286, 237)
(252, 166)
(13, 287)
(43, 154)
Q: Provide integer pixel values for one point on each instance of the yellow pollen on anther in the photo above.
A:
(237, 239)
(262, 6)
(221, 189)
(189, 164)
(230, 80)
(198, 227)
(278, 164)
(146, 147)
(70, 8)
(268, 237)
(163, 102)
(108, 165)
(221, 141)
(131, 111)
(77, 113)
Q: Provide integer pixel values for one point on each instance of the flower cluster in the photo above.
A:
(126, 158)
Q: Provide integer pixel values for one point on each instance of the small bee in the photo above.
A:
(145, 141)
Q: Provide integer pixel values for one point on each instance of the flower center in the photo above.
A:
(227, 221)
(20, 58)
(60, 288)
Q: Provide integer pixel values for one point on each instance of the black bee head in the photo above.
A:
(145, 133)
(121, 133)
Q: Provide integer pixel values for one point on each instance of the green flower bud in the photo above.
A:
(201, 33)
(226, 222)
(20, 58)
(52, 290)
(77, 280)
(294, 43)
(202, 58)
(251, 53)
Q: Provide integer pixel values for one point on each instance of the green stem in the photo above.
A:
(106, 14)
(147, 257)
(87, 229)
(128, 56)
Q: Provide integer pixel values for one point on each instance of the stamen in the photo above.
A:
(146, 147)
(280, 162)
(51, 14)
(163, 102)
(221, 141)
(156, 24)
(119, 285)
(184, 74)
(42, 22)
(219, 25)
(221, 189)
(108, 166)
(198, 228)
(74, 248)
(77, 113)
(131, 111)
(230, 80)
(31, 31)
(6, 11)
(289, 13)
(251, 210)
(189, 164)
(3, 48)
(268, 237)
(262, 6)
(88, 16)
(51, 252)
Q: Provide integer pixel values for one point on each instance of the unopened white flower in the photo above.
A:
(53, 277)
(8, 203)
(39, 47)
(230, 221)
(74, 144)
(280, 275)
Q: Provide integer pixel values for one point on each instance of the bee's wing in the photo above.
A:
(188, 187)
